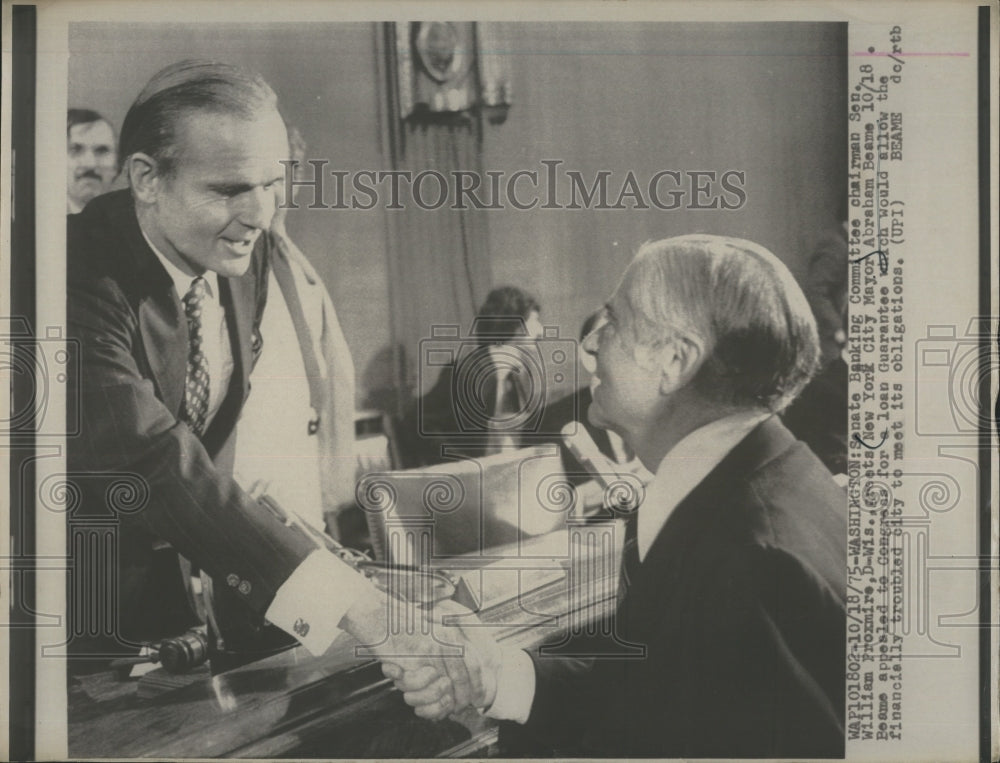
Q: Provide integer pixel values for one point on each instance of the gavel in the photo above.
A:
(178, 654)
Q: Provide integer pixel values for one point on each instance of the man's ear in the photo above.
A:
(143, 175)
(680, 359)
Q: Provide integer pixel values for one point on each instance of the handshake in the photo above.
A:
(443, 659)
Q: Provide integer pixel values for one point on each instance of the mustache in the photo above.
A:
(93, 174)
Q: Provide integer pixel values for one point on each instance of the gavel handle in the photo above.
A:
(127, 662)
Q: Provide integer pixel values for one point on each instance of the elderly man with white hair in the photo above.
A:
(734, 562)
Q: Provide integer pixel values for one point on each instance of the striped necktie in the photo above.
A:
(197, 382)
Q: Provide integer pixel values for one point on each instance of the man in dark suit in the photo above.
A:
(734, 563)
(166, 287)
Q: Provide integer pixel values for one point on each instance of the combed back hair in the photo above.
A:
(152, 121)
(503, 314)
(740, 301)
(76, 117)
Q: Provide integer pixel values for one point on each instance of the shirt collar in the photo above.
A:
(685, 466)
(182, 281)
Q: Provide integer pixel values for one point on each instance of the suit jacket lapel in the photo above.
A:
(237, 296)
(711, 501)
(157, 305)
(164, 328)
(165, 337)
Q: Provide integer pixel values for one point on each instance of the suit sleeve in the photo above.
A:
(565, 697)
(125, 428)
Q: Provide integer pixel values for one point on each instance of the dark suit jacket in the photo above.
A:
(132, 335)
(740, 606)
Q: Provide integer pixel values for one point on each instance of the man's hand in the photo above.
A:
(435, 694)
(443, 664)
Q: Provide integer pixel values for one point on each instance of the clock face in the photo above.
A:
(439, 46)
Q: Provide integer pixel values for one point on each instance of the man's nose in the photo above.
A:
(590, 342)
(588, 358)
(258, 209)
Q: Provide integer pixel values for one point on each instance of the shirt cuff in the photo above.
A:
(312, 601)
(515, 687)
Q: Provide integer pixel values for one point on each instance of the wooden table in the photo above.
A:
(340, 705)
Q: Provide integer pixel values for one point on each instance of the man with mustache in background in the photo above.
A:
(92, 164)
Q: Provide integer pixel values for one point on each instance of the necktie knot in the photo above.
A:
(195, 296)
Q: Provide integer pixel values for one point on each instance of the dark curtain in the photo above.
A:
(439, 260)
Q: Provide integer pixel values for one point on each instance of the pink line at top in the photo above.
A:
(908, 55)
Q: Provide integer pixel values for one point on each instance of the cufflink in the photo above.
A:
(301, 628)
(243, 586)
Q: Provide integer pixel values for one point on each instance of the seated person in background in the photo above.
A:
(481, 399)
(826, 287)
(296, 434)
(734, 579)
(92, 157)
(818, 416)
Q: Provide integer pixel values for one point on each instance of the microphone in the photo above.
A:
(585, 450)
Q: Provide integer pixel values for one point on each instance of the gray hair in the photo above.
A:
(740, 301)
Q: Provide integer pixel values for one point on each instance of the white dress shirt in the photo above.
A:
(680, 472)
(685, 466)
